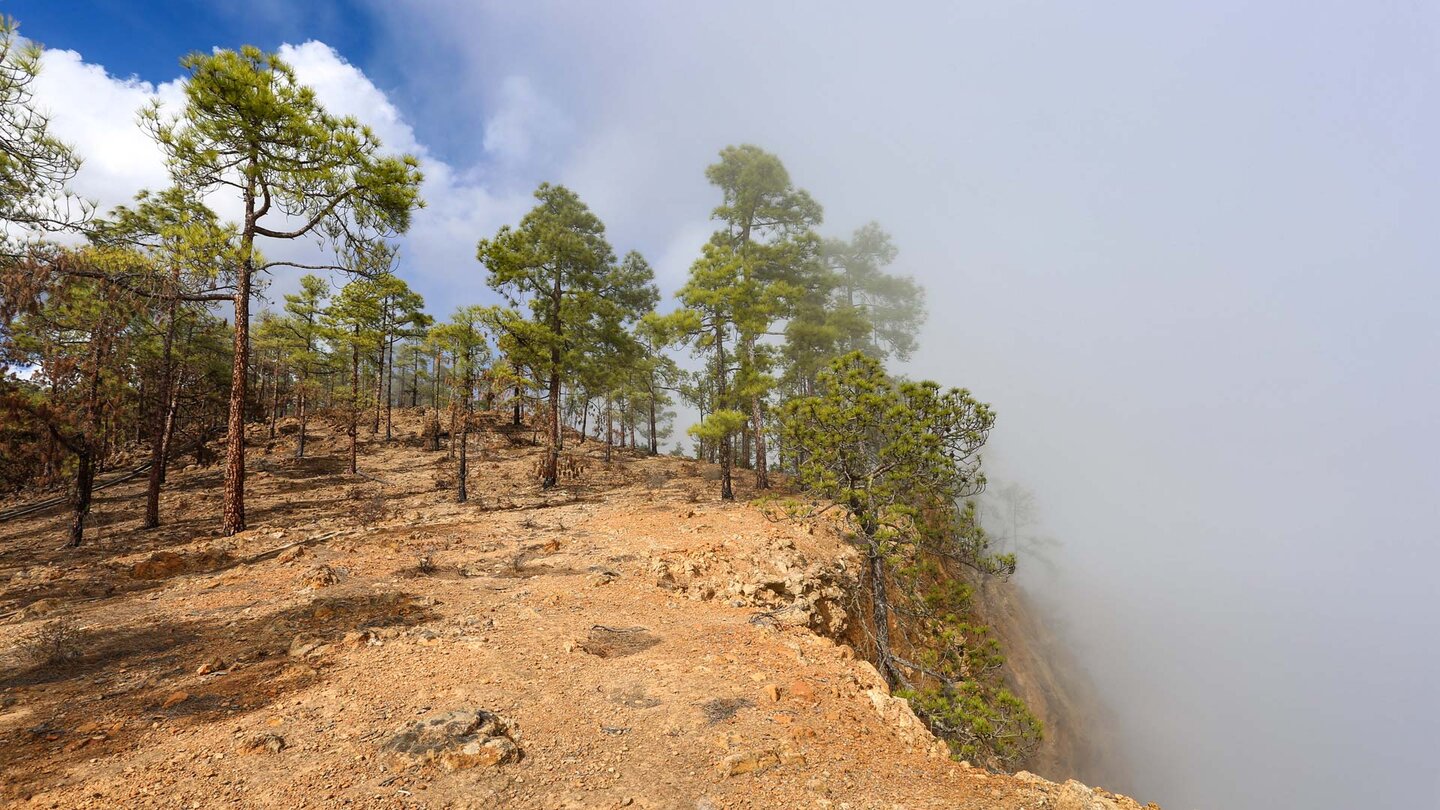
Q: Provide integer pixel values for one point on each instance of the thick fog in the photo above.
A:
(1188, 251)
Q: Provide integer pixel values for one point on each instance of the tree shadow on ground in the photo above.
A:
(129, 680)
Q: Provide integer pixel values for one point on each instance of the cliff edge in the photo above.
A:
(624, 641)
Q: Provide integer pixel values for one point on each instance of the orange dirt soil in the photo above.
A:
(647, 645)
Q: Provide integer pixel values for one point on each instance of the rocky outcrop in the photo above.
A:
(790, 589)
(468, 738)
(1072, 795)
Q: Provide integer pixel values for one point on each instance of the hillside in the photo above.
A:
(623, 641)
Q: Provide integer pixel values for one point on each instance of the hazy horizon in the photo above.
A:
(1188, 253)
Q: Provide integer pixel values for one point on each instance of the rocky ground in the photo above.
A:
(623, 641)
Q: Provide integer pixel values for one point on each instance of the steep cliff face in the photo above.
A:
(1041, 669)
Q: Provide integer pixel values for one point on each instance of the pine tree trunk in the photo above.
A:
(233, 519)
(552, 428)
(654, 443)
(880, 614)
(609, 428)
(354, 405)
(84, 485)
(435, 382)
(303, 401)
(159, 457)
(275, 397)
(461, 492)
(727, 447)
(454, 428)
(762, 472)
(389, 383)
(379, 388)
(164, 415)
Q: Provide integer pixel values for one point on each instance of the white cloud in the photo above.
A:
(524, 125)
(345, 90)
(97, 113)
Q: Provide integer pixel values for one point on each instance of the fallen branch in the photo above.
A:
(275, 552)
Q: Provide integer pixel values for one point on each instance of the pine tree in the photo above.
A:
(352, 324)
(558, 264)
(769, 230)
(463, 336)
(76, 333)
(248, 127)
(189, 247)
(306, 310)
(35, 167)
(902, 460)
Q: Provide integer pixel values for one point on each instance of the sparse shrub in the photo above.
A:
(367, 505)
(55, 643)
(426, 564)
(984, 724)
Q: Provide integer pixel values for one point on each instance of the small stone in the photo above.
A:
(321, 576)
(291, 554)
(273, 743)
(801, 690)
(39, 607)
(748, 762)
(212, 664)
(302, 645)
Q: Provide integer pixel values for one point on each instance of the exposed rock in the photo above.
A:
(793, 591)
(303, 645)
(212, 664)
(291, 554)
(359, 638)
(160, 565)
(755, 761)
(165, 564)
(802, 691)
(40, 607)
(321, 576)
(457, 740)
(911, 730)
(617, 642)
(748, 762)
(273, 743)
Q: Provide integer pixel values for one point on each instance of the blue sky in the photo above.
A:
(146, 39)
(1188, 251)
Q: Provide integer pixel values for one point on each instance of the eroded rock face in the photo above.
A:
(910, 729)
(1074, 796)
(791, 589)
(467, 738)
(166, 564)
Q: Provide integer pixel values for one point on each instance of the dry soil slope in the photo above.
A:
(646, 645)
